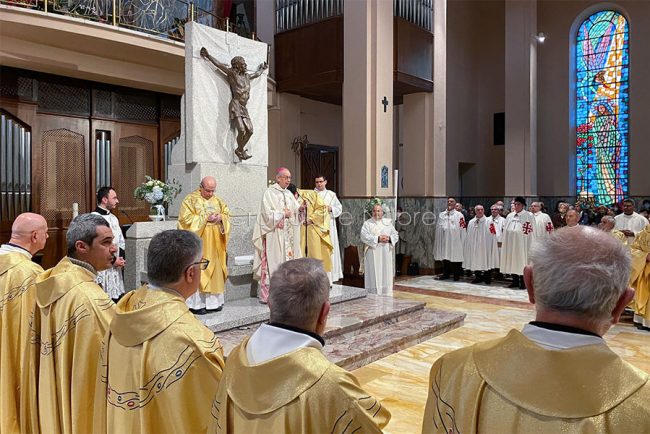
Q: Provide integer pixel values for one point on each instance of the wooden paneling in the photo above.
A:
(319, 160)
(413, 59)
(309, 60)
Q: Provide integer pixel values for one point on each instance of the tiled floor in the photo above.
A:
(400, 380)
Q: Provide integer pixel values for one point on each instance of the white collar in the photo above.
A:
(269, 342)
(6, 248)
(558, 340)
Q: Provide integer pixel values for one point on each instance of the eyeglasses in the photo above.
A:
(203, 264)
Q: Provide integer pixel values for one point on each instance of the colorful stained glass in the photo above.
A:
(602, 98)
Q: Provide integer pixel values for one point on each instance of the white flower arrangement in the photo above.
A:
(157, 192)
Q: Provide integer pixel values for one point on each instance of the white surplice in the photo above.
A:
(543, 226)
(498, 223)
(378, 257)
(450, 236)
(330, 199)
(111, 279)
(517, 238)
(481, 251)
(634, 222)
(275, 245)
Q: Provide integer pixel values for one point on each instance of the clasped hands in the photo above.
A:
(214, 218)
(384, 239)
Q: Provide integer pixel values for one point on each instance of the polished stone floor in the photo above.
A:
(401, 379)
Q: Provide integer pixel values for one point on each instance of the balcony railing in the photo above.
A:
(418, 12)
(290, 14)
(164, 18)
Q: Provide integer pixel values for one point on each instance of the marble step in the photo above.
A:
(364, 330)
(243, 312)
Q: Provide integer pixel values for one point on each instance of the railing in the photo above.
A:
(163, 18)
(290, 14)
(418, 12)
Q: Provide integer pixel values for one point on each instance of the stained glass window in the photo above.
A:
(602, 104)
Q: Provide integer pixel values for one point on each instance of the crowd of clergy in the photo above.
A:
(498, 245)
(72, 361)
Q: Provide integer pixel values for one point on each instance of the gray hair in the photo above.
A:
(83, 228)
(580, 271)
(170, 253)
(608, 219)
(299, 288)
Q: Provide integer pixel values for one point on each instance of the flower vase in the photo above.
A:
(157, 212)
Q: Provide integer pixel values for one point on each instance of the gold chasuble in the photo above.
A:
(16, 303)
(71, 316)
(193, 217)
(640, 277)
(160, 367)
(316, 236)
(299, 392)
(513, 385)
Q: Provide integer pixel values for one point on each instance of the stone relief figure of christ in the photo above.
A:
(240, 86)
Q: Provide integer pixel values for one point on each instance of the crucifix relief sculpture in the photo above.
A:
(240, 87)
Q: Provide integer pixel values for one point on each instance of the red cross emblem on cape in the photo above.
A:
(527, 228)
(549, 227)
(462, 222)
(493, 231)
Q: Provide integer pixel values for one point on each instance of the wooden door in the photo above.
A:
(319, 160)
(61, 176)
(134, 153)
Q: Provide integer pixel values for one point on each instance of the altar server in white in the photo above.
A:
(630, 222)
(379, 236)
(481, 253)
(543, 223)
(450, 237)
(517, 238)
(335, 209)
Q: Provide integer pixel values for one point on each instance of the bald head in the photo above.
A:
(207, 187)
(29, 231)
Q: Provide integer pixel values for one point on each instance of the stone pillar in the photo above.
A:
(521, 99)
(439, 130)
(367, 98)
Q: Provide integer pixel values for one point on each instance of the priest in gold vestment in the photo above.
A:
(640, 279)
(315, 238)
(208, 217)
(279, 381)
(28, 236)
(557, 374)
(71, 315)
(160, 366)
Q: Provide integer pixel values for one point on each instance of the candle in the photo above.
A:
(75, 210)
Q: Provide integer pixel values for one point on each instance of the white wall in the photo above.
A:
(475, 91)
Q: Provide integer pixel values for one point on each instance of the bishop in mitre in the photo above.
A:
(335, 210)
(160, 366)
(71, 315)
(379, 236)
(315, 239)
(279, 381)
(28, 236)
(208, 217)
(276, 235)
(481, 251)
(640, 278)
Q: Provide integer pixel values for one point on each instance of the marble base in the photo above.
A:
(366, 329)
(245, 312)
(497, 290)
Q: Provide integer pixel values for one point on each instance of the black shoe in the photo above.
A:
(219, 309)
(487, 281)
(456, 278)
(514, 285)
(522, 284)
(476, 280)
(444, 277)
(201, 311)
